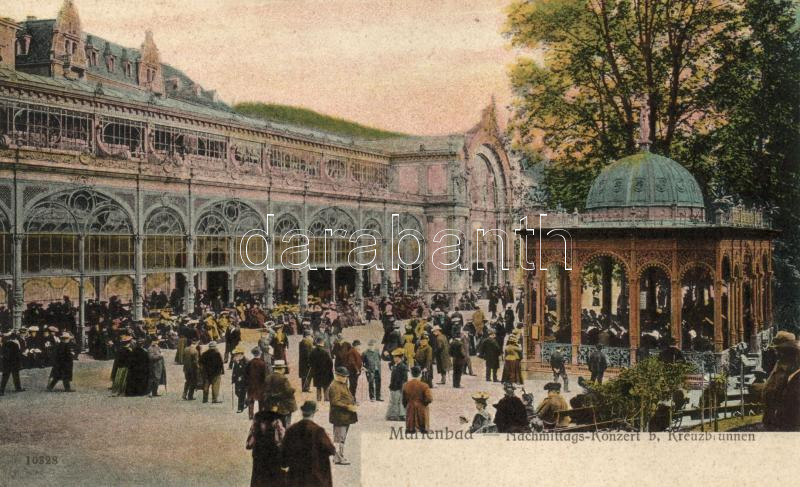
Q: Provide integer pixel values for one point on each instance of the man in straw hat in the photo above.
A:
(343, 412)
(62, 363)
(782, 390)
(213, 369)
(306, 451)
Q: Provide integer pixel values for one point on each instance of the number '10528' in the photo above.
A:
(41, 460)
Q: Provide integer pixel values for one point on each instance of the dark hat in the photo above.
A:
(415, 371)
(309, 407)
(342, 371)
(356, 343)
(255, 352)
(553, 386)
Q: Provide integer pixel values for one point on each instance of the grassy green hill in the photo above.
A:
(311, 119)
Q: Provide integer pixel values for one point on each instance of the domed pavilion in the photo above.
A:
(646, 262)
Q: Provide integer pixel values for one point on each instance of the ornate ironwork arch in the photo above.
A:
(604, 253)
(694, 264)
(81, 211)
(285, 223)
(228, 217)
(333, 218)
(410, 222)
(658, 265)
(163, 221)
(374, 227)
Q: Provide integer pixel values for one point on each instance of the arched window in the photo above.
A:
(164, 246)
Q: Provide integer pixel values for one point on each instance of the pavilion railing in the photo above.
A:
(617, 356)
(548, 348)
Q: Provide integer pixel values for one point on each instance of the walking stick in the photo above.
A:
(232, 392)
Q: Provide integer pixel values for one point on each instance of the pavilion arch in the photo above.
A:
(82, 211)
(655, 305)
(333, 218)
(164, 220)
(163, 245)
(697, 306)
(228, 217)
(605, 313)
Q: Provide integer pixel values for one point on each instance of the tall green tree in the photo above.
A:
(722, 80)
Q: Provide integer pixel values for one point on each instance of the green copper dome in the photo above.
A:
(644, 180)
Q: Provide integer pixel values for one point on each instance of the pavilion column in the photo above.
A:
(575, 316)
(359, 291)
(190, 290)
(739, 310)
(385, 253)
(405, 280)
(231, 272)
(541, 303)
(16, 292)
(718, 341)
(303, 293)
(333, 284)
(758, 305)
(81, 292)
(675, 314)
(269, 288)
(138, 277)
(634, 333)
(768, 298)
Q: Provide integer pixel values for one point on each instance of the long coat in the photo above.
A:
(191, 365)
(279, 394)
(442, 354)
(477, 320)
(12, 356)
(341, 398)
(211, 364)
(416, 397)
(255, 377)
(511, 415)
(424, 357)
(306, 451)
(490, 350)
(62, 362)
(138, 372)
(782, 400)
(267, 458)
(304, 350)
(321, 367)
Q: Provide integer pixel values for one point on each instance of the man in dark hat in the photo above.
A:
(255, 378)
(304, 361)
(321, 369)
(598, 363)
(138, 371)
(511, 416)
(191, 368)
(62, 363)
(354, 363)
(489, 349)
(264, 439)
(343, 412)
(552, 408)
(279, 393)
(12, 361)
(213, 368)
(233, 335)
(441, 353)
(458, 360)
(372, 366)
(424, 359)
(306, 451)
(239, 377)
(782, 390)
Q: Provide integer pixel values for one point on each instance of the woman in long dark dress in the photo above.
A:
(265, 439)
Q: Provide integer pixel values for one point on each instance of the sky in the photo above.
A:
(422, 67)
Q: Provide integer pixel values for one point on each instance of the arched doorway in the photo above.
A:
(345, 282)
(697, 309)
(319, 284)
(655, 305)
(604, 302)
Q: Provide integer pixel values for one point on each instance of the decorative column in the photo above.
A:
(333, 284)
(231, 271)
(138, 277)
(269, 287)
(575, 315)
(17, 295)
(675, 315)
(739, 310)
(634, 333)
(359, 291)
(190, 290)
(718, 341)
(303, 294)
(81, 292)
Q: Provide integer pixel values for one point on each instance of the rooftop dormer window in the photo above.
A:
(110, 63)
(127, 69)
(23, 45)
